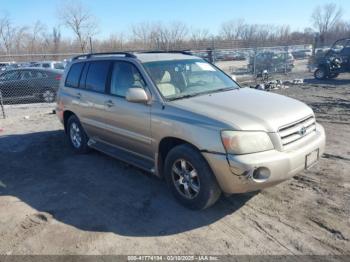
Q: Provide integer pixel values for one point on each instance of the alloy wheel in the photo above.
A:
(49, 96)
(185, 178)
(75, 135)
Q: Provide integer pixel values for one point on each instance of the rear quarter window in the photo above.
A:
(73, 76)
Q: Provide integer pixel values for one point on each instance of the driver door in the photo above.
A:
(128, 125)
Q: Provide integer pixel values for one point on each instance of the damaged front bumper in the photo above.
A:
(251, 172)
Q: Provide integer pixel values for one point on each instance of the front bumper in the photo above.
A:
(234, 173)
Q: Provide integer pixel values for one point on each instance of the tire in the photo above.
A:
(202, 187)
(333, 75)
(49, 96)
(320, 73)
(76, 136)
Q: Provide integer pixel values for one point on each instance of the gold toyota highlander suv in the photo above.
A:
(181, 118)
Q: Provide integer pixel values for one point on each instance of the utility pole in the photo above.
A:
(90, 44)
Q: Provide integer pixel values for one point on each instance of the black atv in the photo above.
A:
(335, 61)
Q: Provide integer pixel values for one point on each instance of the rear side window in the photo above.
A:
(74, 75)
(58, 65)
(97, 76)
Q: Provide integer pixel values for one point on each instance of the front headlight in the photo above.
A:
(245, 142)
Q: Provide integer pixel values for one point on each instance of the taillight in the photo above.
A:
(58, 77)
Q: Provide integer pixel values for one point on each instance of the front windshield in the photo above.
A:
(339, 45)
(184, 78)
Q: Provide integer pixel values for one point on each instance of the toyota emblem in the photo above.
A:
(302, 131)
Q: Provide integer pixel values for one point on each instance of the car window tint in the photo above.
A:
(26, 75)
(39, 74)
(46, 65)
(74, 75)
(58, 66)
(10, 76)
(97, 76)
(124, 76)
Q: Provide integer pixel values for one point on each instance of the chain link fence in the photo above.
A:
(35, 78)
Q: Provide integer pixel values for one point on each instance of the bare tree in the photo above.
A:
(143, 34)
(79, 19)
(21, 39)
(233, 29)
(7, 33)
(159, 36)
(56, 39)
(35, 33)
(199, 38)
(325, 18)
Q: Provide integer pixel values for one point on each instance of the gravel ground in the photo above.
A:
(55, 202)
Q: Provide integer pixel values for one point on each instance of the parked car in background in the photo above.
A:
(181, 118)
(31, 84)
(50, 64)
(7, 65)
(302, 54)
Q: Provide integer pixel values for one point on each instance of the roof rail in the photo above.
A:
(184, 52)
(87, 56)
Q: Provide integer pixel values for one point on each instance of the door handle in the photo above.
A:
(78, 96)
(109, 103)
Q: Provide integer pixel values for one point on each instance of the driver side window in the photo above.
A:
(124, 76)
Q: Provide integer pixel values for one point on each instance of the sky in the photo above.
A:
(115, 16)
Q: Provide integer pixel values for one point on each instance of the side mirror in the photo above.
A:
(136, 95)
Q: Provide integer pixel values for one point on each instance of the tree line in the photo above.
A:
(326, 25)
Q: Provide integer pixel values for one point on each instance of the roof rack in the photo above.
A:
(87, 56)
(184, 52)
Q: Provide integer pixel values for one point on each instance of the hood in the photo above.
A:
(247, 109)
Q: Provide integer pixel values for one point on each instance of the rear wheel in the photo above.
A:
(190, 178)
(320, 73)
(49, 96)
(76, 135)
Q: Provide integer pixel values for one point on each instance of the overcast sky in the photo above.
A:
(117, 16)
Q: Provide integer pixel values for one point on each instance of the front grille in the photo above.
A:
(297, 130)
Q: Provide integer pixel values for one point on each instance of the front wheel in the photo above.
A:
(333, 75)
(320, 73)
(190, 178)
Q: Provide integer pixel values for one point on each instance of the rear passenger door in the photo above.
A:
(92, 91)
(71, 94)
(127, 124)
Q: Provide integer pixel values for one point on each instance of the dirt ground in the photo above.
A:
(55, 202)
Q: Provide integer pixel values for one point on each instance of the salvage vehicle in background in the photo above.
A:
(179, 117)
(49, 64)
(272, 61)
(302, 54)
(335, 61)
(30, 84)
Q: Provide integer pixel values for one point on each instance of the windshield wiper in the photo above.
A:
(220, 90)
(202, 93)
(184, 96)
